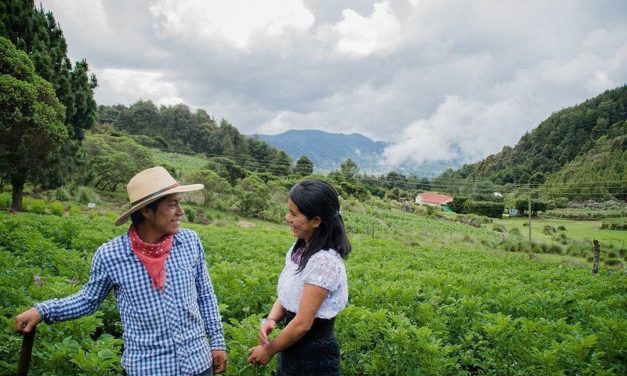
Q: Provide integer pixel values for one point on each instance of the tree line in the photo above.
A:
(177, 128)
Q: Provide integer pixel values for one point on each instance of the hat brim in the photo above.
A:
(180, 189)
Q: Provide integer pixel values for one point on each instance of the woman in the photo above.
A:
(312, 287)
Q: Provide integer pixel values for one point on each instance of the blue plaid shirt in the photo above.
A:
(169, 332)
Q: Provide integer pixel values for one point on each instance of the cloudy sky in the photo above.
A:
(431, 76)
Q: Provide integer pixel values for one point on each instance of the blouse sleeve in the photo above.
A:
(324, 270)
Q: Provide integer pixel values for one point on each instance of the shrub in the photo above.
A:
(5, 200)
(190, 214)
(514, 231)
(613, 262)
(75, 209)
(616, 224)
(560, 202)
(57, 208)
(37, 206)
(513, 246)
(561, 238)
(499, 228)
(62, 194)
(548, 230)
(576, 249)
(85, 195)
(487, 208)
(561, 228)
(555, 249)
(458, 204)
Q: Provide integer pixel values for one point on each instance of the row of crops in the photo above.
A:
(427, 297)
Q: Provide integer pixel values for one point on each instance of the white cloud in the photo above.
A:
(442, 78)
(108, 33)
(278, 124)
(235, 22)
(457, 124)
(361, 36)
(131, 85)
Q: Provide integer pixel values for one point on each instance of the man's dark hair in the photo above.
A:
(317, 198)
(137, 217)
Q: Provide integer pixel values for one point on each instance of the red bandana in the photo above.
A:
(152, 256)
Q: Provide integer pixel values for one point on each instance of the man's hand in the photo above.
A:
(260, 355)
(219, 360)
(27, 320)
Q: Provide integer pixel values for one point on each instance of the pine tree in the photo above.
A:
(31, 121)
(36, 32)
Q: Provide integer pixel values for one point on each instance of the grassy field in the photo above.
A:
(578, 230)
(181, 162)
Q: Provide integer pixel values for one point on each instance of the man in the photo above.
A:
(162, 288)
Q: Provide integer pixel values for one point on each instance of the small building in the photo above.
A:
(433, 199)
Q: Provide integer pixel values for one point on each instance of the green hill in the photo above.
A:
(600, 172)
(581, 144)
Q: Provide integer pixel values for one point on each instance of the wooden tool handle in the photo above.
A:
(27, 350)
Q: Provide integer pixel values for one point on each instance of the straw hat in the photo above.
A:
(150, 185)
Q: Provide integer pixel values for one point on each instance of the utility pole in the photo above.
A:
(529, 247)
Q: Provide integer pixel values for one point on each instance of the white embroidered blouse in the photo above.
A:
(324, 269)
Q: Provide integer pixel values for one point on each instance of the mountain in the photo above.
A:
(328, 150)
(575, 146)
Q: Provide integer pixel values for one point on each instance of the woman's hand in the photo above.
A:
(267, 326)
(260, 355)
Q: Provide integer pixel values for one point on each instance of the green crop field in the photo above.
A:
(428, 296)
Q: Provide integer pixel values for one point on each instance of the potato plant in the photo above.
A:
(428, 296)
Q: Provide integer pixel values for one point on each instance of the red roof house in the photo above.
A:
(432, 198)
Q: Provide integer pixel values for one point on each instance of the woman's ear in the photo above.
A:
(316, 221)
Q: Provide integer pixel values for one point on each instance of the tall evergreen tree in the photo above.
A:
(304, 166)
(32, 123)
(36, 32)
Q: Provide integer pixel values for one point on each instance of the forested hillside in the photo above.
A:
(583, 143)
(177, 128)
(601, 170)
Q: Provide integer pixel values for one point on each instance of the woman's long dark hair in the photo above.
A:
(317, 198)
